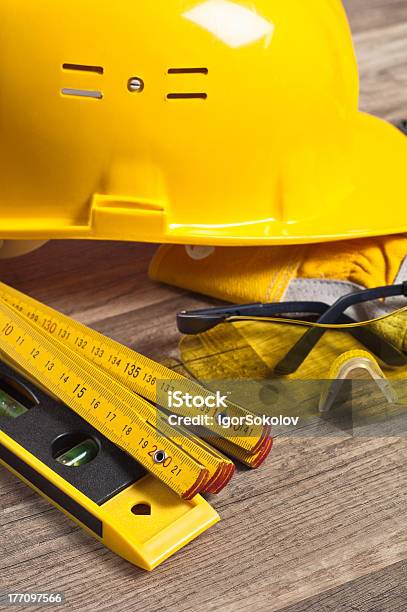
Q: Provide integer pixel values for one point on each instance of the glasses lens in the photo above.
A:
(299, 368)
(300, 350)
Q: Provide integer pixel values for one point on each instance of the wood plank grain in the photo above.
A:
(323, 512)
(382, 60)
(366, 15)
(380, 35)
(320, 526)
(383, 590)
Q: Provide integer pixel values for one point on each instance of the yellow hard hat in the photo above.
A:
(196, 122)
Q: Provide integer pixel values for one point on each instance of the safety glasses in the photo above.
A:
(285, 335)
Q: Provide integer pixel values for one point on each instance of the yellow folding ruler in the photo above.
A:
(118, 392)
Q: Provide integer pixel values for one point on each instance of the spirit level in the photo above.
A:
(96, 484)
(115, 396)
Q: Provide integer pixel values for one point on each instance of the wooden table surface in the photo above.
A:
(322, 526)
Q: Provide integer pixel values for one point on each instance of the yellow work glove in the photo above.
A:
(269, 274)
(322, 272)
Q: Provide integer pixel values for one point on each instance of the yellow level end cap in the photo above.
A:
(146, 540)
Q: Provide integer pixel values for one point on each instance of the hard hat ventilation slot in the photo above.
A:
(83, 68)
(82, 93)
(188, 71)
(190, 95)
(187, 96)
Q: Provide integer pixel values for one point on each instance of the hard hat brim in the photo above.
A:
(369, 197)
(359, 191)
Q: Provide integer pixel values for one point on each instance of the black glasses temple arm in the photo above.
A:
(199, 321)
(300, 351)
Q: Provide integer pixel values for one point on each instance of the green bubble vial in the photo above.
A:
(79, 455)
(9, 407)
